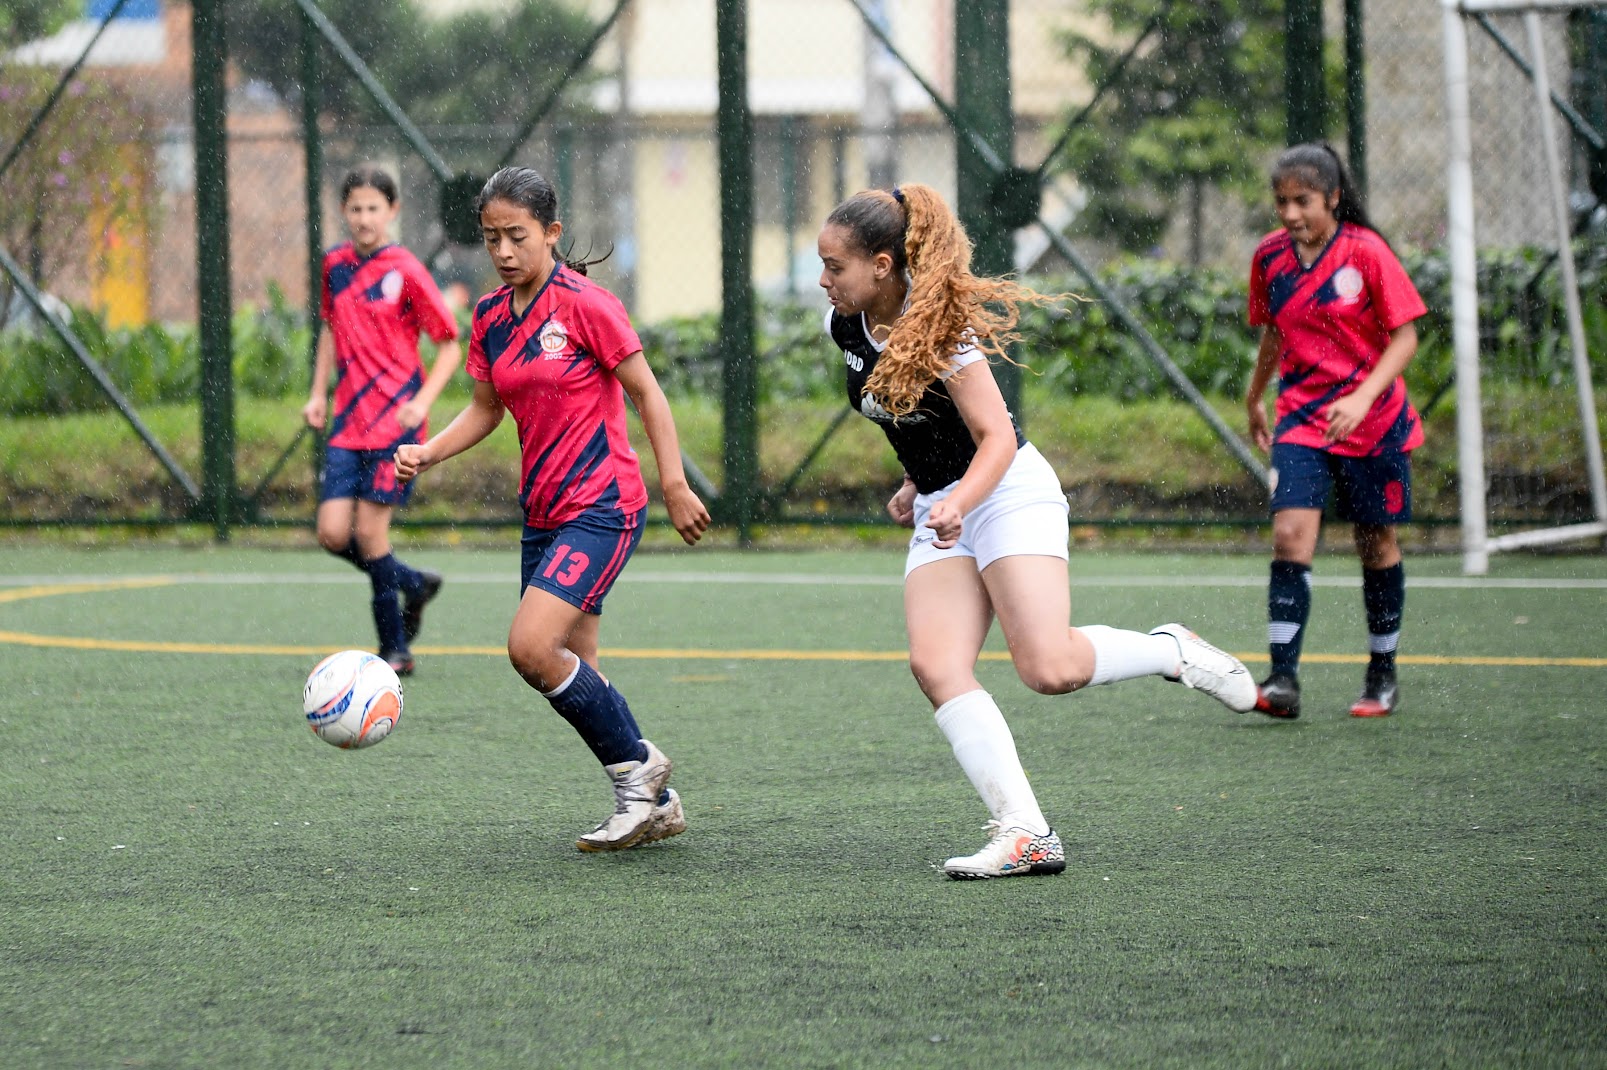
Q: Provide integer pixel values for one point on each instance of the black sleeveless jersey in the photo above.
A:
(933, 441)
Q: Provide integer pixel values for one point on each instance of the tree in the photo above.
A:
(1200, 105)
(86, 168)
(473, 67)
(22, 21)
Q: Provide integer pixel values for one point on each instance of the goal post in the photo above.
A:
(1477, 545)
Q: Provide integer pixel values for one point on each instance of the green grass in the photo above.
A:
(189, 879)
(1117, 458)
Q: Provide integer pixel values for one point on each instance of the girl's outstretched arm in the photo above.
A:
(447, 358)
(976, 394)
(686, 509)
(484, 412)
(1266, 363)
(317, 407)
(1346, 414)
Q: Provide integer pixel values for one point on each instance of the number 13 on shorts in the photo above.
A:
(578, 561)
(574, 564)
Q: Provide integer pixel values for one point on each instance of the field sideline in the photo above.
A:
(189, 879)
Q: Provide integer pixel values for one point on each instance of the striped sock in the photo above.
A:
(1384, 595)
(1288, 606)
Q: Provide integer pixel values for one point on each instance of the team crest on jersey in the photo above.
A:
(871, 408)
(390, 287)
(553, 338)
(1348, 283)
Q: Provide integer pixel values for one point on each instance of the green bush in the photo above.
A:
(1079, 347)
(1199, 318)
(149, 364)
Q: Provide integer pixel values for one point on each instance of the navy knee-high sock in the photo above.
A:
(350, 553)
(625, 712)
(386, 576)
(1384, 595)
(1288, 606)
(589, 704)
(624, 708)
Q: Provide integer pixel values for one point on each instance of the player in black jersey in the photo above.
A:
(916, 328)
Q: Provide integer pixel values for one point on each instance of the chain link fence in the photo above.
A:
(97, 211)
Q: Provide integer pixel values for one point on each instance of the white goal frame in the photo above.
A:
(1477, 546)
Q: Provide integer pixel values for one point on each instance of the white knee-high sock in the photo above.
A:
(987, 752)
(1124, 655)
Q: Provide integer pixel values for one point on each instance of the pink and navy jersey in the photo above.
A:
(1335, 318)
(375, 307)
(552, 366)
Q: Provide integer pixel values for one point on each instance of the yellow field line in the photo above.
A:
(151, 646)
(67, 642)
(49, 590)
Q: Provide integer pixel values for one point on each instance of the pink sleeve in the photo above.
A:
(1394, 296)
(326, 303)
(1260, 308)
(476, 364)
(608, 333)
(429, 307)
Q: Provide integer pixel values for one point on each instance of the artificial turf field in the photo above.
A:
(188, 878)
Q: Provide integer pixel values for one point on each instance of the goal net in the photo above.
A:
(1522, 54)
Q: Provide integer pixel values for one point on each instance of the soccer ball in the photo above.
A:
(352, 699)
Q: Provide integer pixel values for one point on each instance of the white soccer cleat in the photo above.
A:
(1010, 852)
(667, 820)
(1215, 672)
(637, 786)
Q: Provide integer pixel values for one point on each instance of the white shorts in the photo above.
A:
(1026, 514)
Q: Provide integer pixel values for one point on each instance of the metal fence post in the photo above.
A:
(1304, 93)
(1356, 94)
(737, 330)
(313, 150)
(982, 103)
(212, 264)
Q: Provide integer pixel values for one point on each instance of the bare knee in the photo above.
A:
(1377, 546)
(543, 662)
(1058, 683)
(1056, 663)
(1295, 533)
(940, 682)
(1058, 676)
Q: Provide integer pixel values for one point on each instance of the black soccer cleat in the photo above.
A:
(413, 604)
(1279, 696)
(1380, 694)
(401, 662)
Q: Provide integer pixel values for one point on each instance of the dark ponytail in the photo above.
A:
(369, 176)
(530, 190)
(1318, 167)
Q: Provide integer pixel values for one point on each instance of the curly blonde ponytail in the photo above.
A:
(948, 306)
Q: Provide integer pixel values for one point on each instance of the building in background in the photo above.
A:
(137, 272)
(636, 159)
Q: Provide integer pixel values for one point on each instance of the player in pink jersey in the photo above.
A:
(1336, 311)
(558, 352)
(377, 299)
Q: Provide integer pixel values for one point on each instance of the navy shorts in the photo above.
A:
(1367, 490)
(366, 474)
(580, 559)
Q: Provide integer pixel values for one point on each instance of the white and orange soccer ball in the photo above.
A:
(352, 699)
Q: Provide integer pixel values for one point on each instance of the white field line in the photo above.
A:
(811, 579)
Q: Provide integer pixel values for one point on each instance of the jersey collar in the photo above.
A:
(518, 317)
(1339, 225)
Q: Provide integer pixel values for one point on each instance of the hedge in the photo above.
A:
(1197, 315)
